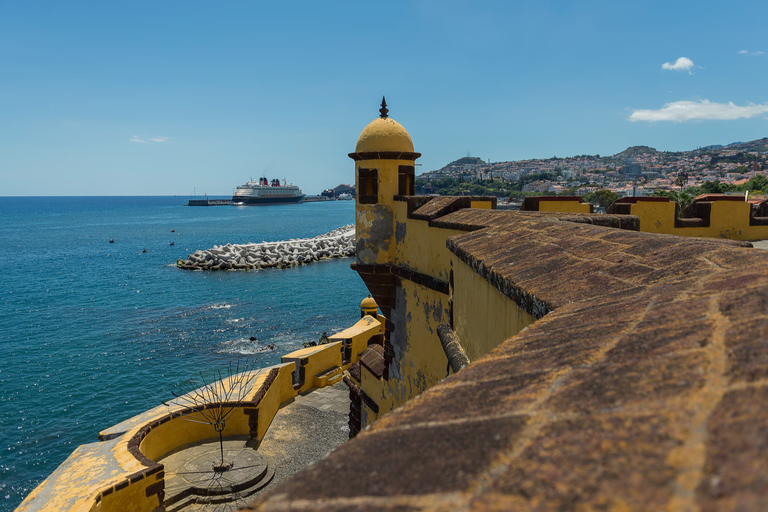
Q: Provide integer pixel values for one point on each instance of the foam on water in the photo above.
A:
(245, 347)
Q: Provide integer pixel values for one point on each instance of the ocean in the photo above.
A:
(93, 332)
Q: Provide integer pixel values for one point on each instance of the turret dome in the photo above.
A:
(384, 134)
(368, 303)
(368, 307)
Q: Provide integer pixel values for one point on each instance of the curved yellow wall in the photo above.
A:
(107, 477)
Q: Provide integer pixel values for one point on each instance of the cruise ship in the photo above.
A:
(266, 192)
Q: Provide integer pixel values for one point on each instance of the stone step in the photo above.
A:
(336, 378)
(328, 377)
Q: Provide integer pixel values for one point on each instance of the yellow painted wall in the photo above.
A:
(424, 363)
(280, 391)
(185, 430)
(377, 389)
(132, 498)
(655, 217)
(481, 205)
(483, 317)
(728, 219)
(422, 248)
(375, 222)
(359, 334)
(319, 359)
(178, 432)
(563, 206)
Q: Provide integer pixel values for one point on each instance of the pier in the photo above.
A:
(209, 202)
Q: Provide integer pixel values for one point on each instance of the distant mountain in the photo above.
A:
(753, 145)
(634, 151)
(467, 161)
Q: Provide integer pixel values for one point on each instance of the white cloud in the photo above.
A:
(747, 52)
(681, 64)
(148, 140)
(704, 110)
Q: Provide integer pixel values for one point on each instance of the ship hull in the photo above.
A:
(262, 201)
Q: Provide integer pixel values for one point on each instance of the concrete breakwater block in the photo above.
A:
(339, 243)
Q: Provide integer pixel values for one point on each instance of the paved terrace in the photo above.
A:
(643, 388)
(303, 431)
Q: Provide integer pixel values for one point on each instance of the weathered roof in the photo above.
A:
(642, 386)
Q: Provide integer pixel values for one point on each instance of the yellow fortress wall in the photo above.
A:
(710, 216)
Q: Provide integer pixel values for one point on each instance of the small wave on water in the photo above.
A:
(220, 306)
(245, 346)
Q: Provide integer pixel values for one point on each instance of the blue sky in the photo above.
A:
(144, 98)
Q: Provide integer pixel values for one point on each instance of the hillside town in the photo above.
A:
(636, 171)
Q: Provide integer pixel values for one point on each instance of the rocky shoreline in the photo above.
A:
(339, 243)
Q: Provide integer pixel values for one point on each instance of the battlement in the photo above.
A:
(637, 379)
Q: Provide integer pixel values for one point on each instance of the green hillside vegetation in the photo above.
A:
(477, 187)
(467, 160)
(635, 151)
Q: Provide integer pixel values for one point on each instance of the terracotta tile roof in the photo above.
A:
(644, 386)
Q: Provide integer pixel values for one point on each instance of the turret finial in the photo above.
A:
(384, 111)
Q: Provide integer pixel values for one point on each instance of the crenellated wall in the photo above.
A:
(639, 380)
(710, 216)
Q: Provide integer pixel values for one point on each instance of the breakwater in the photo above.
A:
(339, 243)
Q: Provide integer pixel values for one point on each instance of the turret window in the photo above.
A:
(367, 186)
(406, 180)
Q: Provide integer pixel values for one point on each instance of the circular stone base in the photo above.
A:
(249, 472)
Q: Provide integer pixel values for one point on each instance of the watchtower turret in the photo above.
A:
(384, 168)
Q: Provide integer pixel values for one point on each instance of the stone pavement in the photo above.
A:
(306, 430)
(331, 399)
(303, 431)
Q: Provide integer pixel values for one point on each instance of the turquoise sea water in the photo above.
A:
(92, 333)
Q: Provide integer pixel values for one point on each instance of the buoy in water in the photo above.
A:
(145, 250)
(172, 243)
(111, 240)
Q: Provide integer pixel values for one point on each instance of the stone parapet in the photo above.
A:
(643, 385)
